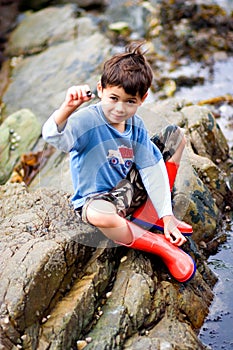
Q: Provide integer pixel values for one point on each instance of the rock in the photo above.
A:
(120, 28)
(193, 203)
(206, 137)
(55, 174)
(212, 176)
(62, 283)
(4, 78)
(9, 12)
(157, 115)
(187, 25)
(196, 200)
(51, 70)
(77, 309)
(158, 338)
(36, 264)
(18, 133)
(128, 19)
(39, 30)
(81, 344)
(54, 288)
(168, 332)
(48, 68)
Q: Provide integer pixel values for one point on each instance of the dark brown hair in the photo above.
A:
(129, 70)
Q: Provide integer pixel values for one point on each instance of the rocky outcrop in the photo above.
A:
(63, 286)
(62, 282)
(200, 188)
(57, 42)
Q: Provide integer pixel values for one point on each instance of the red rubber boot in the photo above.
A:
(180, 264)
(172, 169)
(147, 216)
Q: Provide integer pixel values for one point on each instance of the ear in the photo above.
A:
(99, 89)
(144, 97)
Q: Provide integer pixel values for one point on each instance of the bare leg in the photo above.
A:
(103, 215)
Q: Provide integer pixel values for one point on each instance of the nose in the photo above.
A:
(120, 107)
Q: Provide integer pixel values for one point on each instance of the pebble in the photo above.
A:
(100, 313)
(6, 320)
(108, 294)
(81, 344)
(118, 340)
(202, 244)
(123, 259)
(88, 340)
(13, 140)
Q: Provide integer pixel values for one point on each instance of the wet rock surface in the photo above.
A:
(55, 290)
(63, 286)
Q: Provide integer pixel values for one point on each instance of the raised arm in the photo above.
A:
(75, 96)
(56, 130)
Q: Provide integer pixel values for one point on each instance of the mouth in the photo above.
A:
(117, 117)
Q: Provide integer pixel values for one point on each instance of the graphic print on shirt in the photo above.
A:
(122, 156)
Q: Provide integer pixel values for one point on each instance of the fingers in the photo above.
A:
(178, 238)
(175, 237)
(171, 232)
(79, 94)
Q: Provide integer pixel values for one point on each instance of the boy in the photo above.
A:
(116, 167)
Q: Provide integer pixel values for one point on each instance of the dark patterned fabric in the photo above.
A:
(168, 141)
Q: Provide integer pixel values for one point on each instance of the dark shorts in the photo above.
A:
(130, 193)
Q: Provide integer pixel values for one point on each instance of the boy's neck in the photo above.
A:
(120, 127)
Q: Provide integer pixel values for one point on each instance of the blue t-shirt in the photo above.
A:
(100, 155)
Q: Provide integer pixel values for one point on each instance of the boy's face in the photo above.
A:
(117, 105)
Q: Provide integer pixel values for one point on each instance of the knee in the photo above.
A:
(101, 213)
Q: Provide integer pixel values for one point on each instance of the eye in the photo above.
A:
(113, 98)
(131, 102)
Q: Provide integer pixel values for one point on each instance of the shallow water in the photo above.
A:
(218, 79)
(217, 329)
(218, 82)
